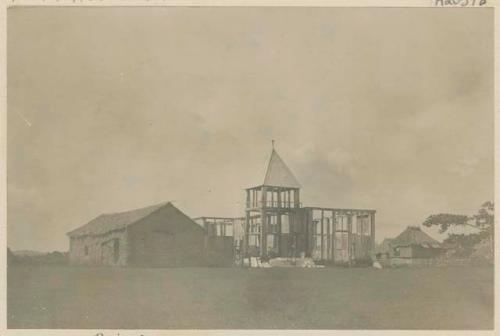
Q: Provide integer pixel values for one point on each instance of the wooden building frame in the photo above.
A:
(263, 203)
(329, 225)
(217, 226)
(277, 225)
(279, 196)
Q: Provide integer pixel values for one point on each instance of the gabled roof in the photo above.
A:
(278, 174)
(413, 235)
(115, 221)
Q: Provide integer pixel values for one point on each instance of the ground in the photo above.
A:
(235, 298)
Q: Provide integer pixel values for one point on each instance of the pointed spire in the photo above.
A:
(278, 174)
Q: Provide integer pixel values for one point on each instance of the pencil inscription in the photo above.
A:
(460, 3)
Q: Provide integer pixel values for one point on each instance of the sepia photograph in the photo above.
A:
(222, 168)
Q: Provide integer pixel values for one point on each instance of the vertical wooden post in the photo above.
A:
(322, 233)
(349, 239)
(328, 239)
(248, 199)
(334, 227)
(296, 197)
(312, 232)
(263, 219)
(307, 220)
(353, 238)
(246, 229)
(245, 238)
(279, 213)
(372, 232)
(359, 230)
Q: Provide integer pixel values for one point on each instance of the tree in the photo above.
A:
(483, 223)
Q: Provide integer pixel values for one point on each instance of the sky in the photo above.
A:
(112, 109)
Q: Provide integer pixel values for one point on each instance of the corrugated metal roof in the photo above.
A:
(116, 221)
(278, 174)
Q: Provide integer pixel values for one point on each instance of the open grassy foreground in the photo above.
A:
(221, 298)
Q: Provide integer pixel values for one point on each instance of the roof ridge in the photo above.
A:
(116, 221)
(413, 235)
(141, 208)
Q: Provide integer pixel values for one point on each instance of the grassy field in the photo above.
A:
(221, 298)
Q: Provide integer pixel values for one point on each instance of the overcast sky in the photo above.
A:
(112, 109)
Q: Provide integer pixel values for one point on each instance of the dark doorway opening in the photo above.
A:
(116, 250)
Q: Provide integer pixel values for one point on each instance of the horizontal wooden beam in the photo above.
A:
(342, 210)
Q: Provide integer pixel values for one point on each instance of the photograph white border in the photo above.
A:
(260, 3)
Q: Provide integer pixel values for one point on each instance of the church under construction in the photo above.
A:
(277, 225)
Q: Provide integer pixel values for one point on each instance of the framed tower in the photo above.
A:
(272, 210)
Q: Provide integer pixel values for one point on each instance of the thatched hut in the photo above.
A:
(414, 247)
